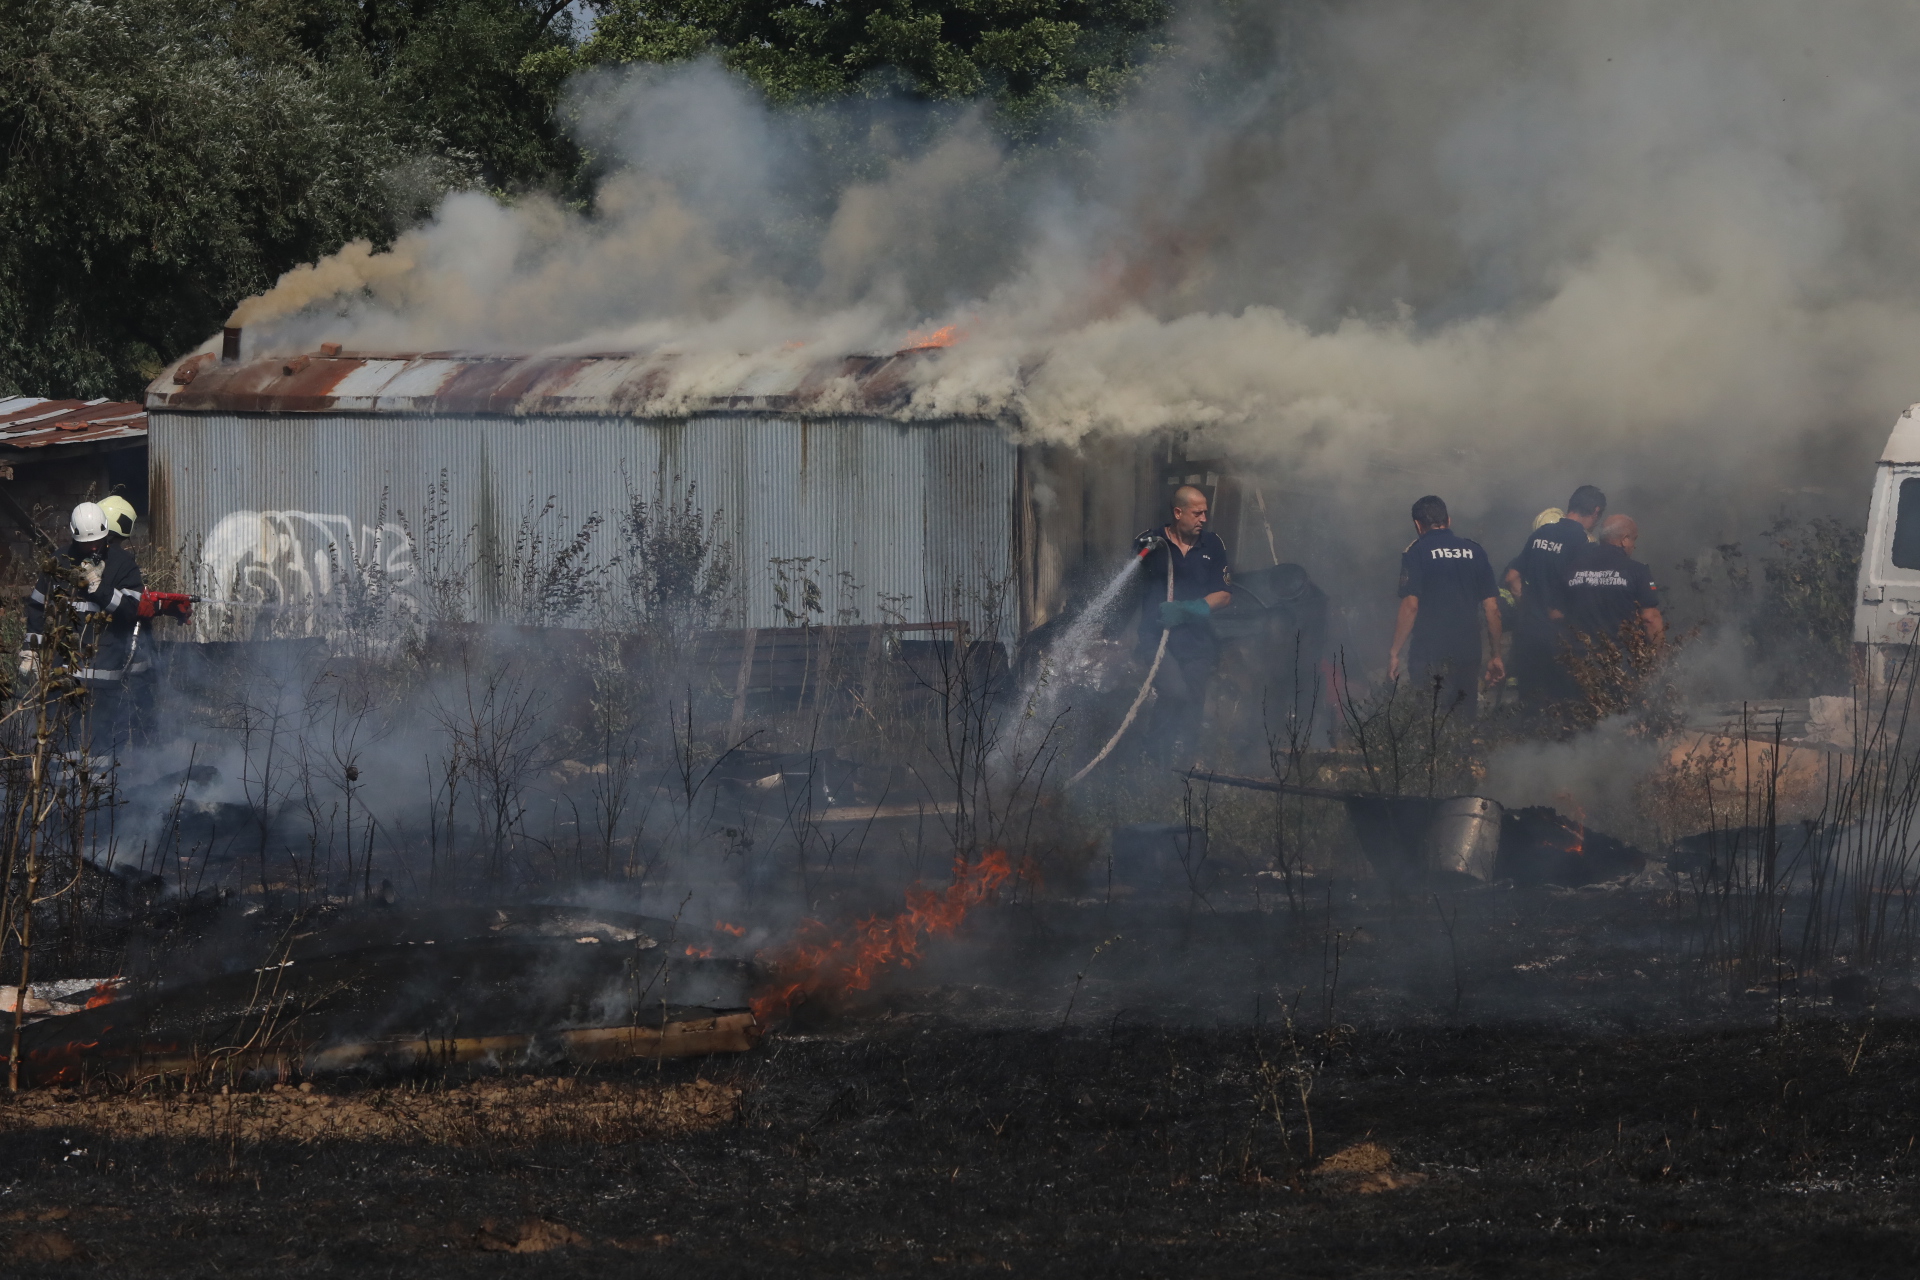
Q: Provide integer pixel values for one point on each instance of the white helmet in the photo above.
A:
(89, 522)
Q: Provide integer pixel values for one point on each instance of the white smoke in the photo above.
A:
(1491, 250)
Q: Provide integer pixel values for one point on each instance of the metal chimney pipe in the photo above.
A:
(230, 344)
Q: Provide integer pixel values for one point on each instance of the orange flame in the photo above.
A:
(699, 953)
(1575, 825)
(737, 930)
(815, 962)
(104, 993)
(921, 340)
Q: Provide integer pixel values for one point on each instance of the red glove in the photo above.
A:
(166, 603)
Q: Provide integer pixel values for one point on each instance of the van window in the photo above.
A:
(1906, 527)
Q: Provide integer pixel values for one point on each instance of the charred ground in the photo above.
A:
(1257, 1047)
(1205, 1094)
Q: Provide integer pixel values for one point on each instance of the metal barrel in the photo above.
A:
(1463, 838)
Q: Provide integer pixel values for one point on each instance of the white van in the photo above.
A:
(1888, 611)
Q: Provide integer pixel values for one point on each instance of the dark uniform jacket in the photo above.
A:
(106, 616)
(1604, 588)
(1197, 574)
(1544, 564)
(1450, 576)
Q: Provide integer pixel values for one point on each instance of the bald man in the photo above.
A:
(1199, 578)
(1608, 593)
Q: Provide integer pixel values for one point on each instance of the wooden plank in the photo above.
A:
(687, 1037)
(771, 659)
(727, 1033)
(879, 813)
(738, 722)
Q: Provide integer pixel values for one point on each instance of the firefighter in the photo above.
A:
(1536, 577)
(1608, 598)
(96, 584)
(1511, 584)
(1446, 596)
(1183, 579)
(141, 695)
(1510, 590)
(120, 517)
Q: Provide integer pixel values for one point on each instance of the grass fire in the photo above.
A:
(1074, 639)
(816, 962)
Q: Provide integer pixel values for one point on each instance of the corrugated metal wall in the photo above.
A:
(922, 513)
(1085, 504)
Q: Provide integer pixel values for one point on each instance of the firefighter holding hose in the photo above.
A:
(1183, 579)
(92, 594)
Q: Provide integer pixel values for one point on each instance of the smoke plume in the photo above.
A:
(1489, 250)
(355, 267)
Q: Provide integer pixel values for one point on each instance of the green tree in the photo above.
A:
(1795, 622)
(1034, 59)
(1804, 623)
(462, 73)
(162, 159)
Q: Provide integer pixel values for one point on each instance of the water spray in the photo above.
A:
(1149, 544)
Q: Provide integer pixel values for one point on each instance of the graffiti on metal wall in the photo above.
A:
(308, 568)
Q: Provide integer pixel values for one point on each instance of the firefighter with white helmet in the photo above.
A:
(88, 523)
(89, 601)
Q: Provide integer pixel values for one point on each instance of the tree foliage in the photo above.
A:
(464, 74)
(1795, 623)
(1034, 59)
(162, 159)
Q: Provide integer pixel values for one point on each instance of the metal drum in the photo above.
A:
(1463, 838)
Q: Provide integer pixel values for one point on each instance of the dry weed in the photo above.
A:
(1364, 1168)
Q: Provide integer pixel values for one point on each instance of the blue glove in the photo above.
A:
(1178, 613)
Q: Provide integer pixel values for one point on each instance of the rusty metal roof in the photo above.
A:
(626, 384)
(69, 426)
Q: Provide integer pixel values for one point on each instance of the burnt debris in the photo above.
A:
(1466, 838)
(386, 991)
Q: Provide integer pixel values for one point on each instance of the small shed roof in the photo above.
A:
(33, 428)
(618, 384)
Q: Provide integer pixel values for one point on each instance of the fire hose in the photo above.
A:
(167, 604)
(153, 604)
(158, 604)
(1146, 686)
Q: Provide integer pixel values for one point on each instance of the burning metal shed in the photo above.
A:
(289, 477)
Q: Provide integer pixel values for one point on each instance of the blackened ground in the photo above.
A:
(1566, 1083)
(924, 1145)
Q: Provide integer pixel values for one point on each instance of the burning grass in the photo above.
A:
(817, 962)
